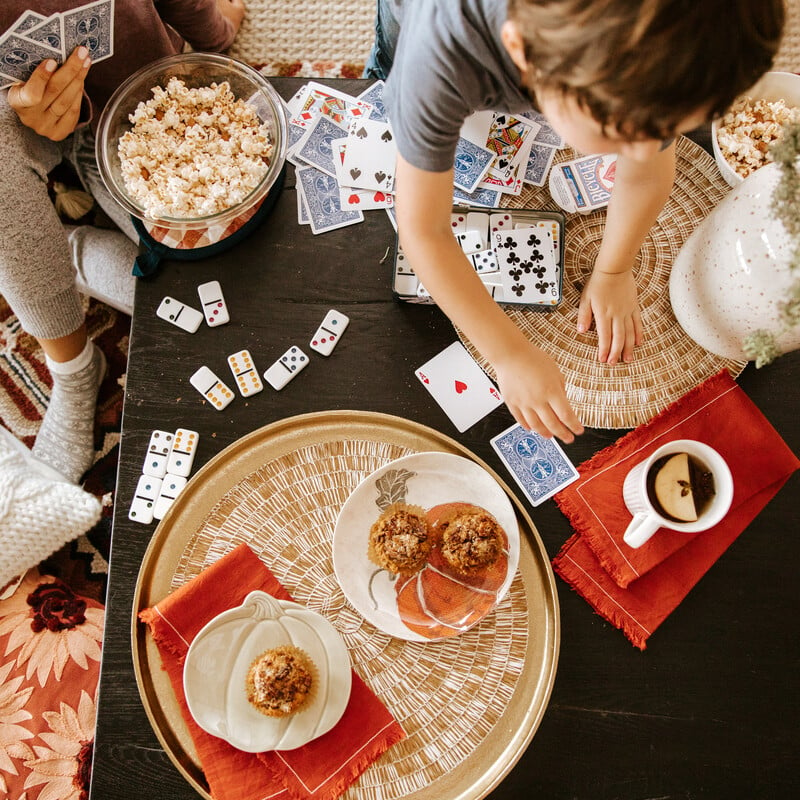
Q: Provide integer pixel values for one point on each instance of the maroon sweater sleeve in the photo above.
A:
(199, 22)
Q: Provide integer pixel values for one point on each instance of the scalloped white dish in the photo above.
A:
(220, 656)
(427, 480)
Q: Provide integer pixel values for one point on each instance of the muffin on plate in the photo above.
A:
(400, 540)
(281, 681)
(470, 538)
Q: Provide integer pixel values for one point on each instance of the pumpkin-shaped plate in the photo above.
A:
(427, 480)
(220, 656)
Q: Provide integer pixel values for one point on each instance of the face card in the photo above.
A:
(49, 32)
(470, 164)
(181, 457)
(459, 386)
(92, 26)
(316, 146)
(321, 195)
(539, 466)
(528, 270)
(371, 155)
(318, 100)
(20, 56)
(374, 96)
(510, 138)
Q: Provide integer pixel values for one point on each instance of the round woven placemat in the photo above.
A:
(668, 363)
(447, 695)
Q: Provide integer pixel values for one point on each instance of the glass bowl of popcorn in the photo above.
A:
(741, 138)
(193, 141)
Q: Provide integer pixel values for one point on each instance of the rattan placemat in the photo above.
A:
(668, 363)
(448, 695)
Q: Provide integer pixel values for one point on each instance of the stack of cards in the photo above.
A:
(517, 254)
(34, 38)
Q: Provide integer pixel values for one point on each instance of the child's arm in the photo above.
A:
(640, 190)
(529, 380)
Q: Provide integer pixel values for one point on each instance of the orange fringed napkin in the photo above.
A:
(636, 589)
(323, 768)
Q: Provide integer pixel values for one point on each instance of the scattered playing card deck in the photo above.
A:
(34, 38)
(517, 254)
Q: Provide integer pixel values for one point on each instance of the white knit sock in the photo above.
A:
(66, 437)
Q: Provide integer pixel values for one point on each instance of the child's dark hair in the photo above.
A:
(643, 67)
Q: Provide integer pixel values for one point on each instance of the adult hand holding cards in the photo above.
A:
(34, 38)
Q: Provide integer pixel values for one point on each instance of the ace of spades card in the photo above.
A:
(370, 156)
(459, 386)
(528, 269)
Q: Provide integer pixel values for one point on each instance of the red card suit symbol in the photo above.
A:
(460, 387)
(423, 377)
(353, 200)
(379, 197)
(493, 392)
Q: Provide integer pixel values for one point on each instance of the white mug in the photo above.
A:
(647, 520)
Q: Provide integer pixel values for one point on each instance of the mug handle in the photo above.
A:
(640, 529)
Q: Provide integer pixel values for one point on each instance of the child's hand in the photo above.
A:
(611, 298)
(232, 10)
(49, 102)
(533, 389)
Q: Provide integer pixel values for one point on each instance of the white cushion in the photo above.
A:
(39, 510)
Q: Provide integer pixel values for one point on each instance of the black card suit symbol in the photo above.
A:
(539, 272)
(534, 241)
(502, 163)
(515, 274)
(509, 242)
(536, 256)
(518, 289)
(386, 136)
(526, 265)
(512, 258)
(542, 286)
(500, 120)
(380, 177)
(355, 172)
(362, 133)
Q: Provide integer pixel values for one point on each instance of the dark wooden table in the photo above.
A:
(709, 710)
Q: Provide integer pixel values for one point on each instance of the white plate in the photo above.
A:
(218, 660)
(423, 479)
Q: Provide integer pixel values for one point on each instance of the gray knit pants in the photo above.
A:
(42, 267)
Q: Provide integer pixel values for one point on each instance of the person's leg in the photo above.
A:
(387, 29)
(37, 280)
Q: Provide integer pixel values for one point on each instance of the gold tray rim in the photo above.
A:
(221, 473)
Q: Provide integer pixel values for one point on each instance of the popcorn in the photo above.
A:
(193, 152)
(746, 132)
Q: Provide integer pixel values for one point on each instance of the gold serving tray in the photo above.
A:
(460, 751)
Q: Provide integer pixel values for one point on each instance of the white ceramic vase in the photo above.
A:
(731, 274)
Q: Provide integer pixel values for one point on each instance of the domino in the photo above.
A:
(286, 367)
(179, 314)
(470, 241)
(181, 457)
(146, 494)
(484, 262)
(155, 462)
(458, 222)
(212, 388)
(405, 280)
(499, 222)
(247, 378)
(213, 303)
(479, 221)
(329, 332)
(170, 488)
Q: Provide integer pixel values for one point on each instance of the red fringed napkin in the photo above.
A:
(323, 768)
(636, 589)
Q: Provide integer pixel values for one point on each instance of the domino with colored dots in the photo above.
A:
(247, 378)
(155, 462)
(329, 332)
(212, 388)
(179, 314)
(286, 367)
(181, 457)
(213, 303)
(147, 491)
(170, 488)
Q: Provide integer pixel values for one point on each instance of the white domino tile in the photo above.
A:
(181, 457)
(329, 332)
(144, 498)
(248, 381)
(215, 310)
(155, 462)
(212, 388)
(469, 241)
(286, 367)
(484, 262)
(179, 314)
(405, 280)
(170, 488)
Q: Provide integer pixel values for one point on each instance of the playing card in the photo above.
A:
(321, 100)
(19, 56)
(349, 197)
(321, 194)
(510, 138)
(92, 26)
(539, 466)
(49, 32)
(486, 198)
(459, 386)
(539, 161)
(25, 21)
(374, 96)
(545, 134)
(583, 184)
(475, 127)
(315, 147)
(370, 156)
(470, 164)
(528, 270)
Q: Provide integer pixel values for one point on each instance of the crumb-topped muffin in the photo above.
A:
(471, 539)
(400, 540)
(280, 681)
